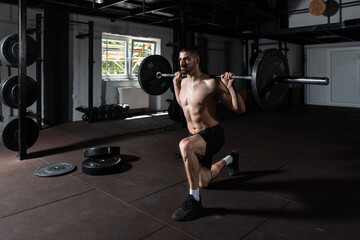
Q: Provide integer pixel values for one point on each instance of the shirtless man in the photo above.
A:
(198, 96)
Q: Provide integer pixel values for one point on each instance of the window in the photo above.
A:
(122, 55)
(113, 57)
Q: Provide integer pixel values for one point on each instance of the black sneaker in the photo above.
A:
(189, 210)
(234, 166)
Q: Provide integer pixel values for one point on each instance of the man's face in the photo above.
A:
(187, 62)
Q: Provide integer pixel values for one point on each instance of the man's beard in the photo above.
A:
(187, 69)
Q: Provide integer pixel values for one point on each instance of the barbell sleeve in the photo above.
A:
(302, 80)
(160, 75)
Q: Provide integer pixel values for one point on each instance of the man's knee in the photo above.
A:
(185, 146)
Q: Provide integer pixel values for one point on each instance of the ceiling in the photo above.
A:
(234, 18)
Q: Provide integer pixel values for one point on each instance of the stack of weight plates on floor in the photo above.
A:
(102, 161)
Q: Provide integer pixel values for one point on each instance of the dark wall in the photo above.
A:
(56, 67)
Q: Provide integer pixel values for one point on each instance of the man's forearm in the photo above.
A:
(236, 100)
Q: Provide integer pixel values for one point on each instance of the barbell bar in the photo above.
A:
(276, 79)
(160, 75)
(269, 77)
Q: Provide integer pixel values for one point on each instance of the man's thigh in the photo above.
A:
(198, 144)
(200, 148)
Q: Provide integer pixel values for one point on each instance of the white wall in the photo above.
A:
(224, 55)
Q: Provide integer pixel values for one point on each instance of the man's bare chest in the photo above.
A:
(194, 94)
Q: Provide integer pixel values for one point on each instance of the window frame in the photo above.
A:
(128, 76)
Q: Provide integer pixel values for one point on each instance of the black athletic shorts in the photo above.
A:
(214, 138)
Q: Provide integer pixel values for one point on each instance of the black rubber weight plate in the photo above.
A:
(268, 95)
(10, 134)
(147, 75)
(54, 169)
(9, 48)
(9, 91)
(101, 166)
(102, 152)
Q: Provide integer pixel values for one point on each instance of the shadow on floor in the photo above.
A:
(84, 144)
(272, 213)
(339, 196)
(237, 182)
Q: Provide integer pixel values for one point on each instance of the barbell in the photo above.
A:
(268, 77)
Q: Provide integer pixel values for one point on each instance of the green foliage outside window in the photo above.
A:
(114, 58)
(140, 51)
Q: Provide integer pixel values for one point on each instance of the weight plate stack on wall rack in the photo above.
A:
(21, 91)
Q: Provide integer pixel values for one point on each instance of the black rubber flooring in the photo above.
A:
(299, 179)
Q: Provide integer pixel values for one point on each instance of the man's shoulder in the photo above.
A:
(210, 81)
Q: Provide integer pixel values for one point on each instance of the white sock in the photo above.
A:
(196, 194)
(228, 159)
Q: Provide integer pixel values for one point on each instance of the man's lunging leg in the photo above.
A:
(189, 148)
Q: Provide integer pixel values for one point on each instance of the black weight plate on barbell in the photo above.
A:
(10, 89)
(268, 64)
(147, 75)
(101, 166)
(9, 49)
(102, 152)
(54, 169)
(10, 134)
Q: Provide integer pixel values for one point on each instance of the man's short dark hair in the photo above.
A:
(193, 50)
